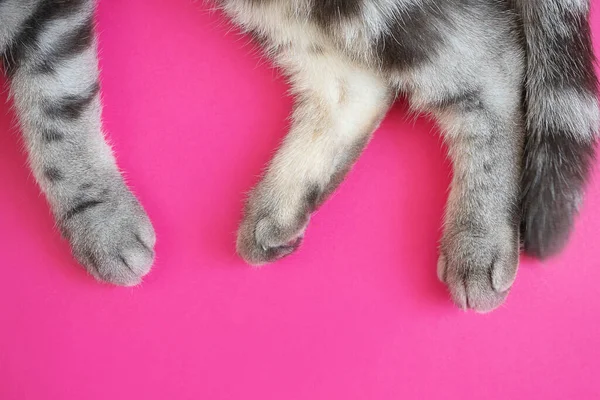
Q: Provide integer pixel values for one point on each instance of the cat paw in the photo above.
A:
(264, 238)
(111, 236)
(273, 225)
(478, 270)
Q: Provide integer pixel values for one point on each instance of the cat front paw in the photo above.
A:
(479, 269)
(111, 236)
(264, 238)
(273, 226)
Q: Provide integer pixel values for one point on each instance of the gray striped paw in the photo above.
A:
(111, 236)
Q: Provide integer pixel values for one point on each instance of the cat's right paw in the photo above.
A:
(111, 236)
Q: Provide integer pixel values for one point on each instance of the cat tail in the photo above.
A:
(561, 120)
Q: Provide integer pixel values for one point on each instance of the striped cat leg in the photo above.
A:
(52, 65)
(479, 251)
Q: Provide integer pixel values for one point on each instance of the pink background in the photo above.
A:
(194, 114)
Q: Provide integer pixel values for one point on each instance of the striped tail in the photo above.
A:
(562, 120)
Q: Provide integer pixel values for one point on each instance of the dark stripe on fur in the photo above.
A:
(72, 106)
(69, 45)
(566, 58)
(416, 33)
(331, 12)
(400, 47)
(82, 207)
(27, 38)
(466, 101)
(53, 174)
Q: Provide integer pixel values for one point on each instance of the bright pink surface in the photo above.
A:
(194, 114)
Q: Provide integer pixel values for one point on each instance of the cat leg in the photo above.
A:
(480, 245)
(338, 106)
(52, 66)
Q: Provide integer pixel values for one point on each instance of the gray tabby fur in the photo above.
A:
(518, 165)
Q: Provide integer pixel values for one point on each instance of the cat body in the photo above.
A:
(510, 82)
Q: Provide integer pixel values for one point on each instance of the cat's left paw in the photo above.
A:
(265, 238)
(479, 270)
(274, 224)
(111, 236)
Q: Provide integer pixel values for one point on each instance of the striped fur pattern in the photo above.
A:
(518, 165)
(510, 82)
(49, 53)
(562, 120)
